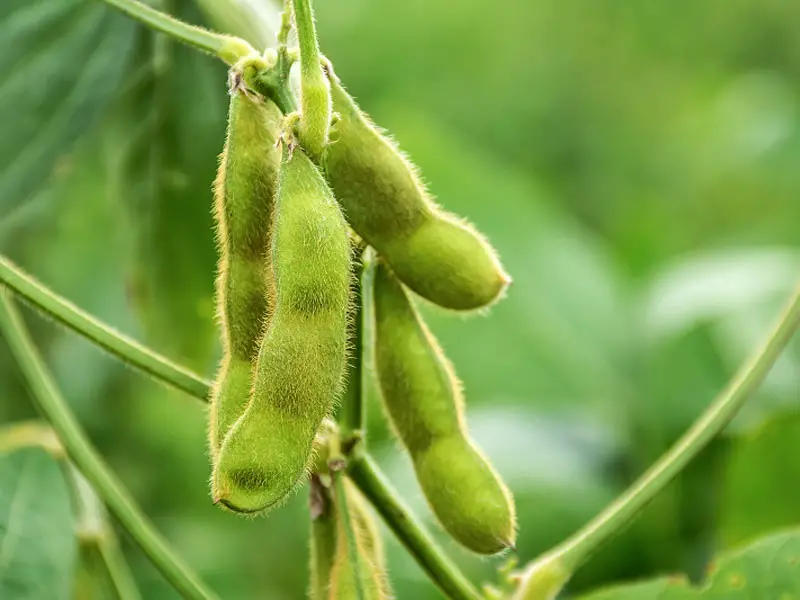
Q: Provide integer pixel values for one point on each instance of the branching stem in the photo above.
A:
(51, 404)
(97, 332)
(374, 485)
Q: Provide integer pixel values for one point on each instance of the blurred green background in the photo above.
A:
(636, 164)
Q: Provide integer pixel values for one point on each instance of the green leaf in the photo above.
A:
(757, 494)
(768, 569)
(173, 127)
(37, 537)
(61, 63)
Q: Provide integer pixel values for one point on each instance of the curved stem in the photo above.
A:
(374, 485)
(315, 93)
(99, 333)
(226, 47)
(49, 401)
(570, 554)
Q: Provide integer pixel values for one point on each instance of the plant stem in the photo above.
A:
(226, 47)
(374, 485)
(315, 93)
(116, 566)
(99, 333)
(282, 96)
(570, 554)
(49, 401)
(286, 24)
(351, 416)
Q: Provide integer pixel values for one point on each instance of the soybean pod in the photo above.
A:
(244, 198)
(423, 401)
(299, 371)
(436, 254)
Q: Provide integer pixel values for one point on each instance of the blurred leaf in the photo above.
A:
(766, 569)
(62, 62)
(702, 315)
(37, 539)
(173, 119)
(257, 21)
(715, 285)
(760, 488)
(81, 258)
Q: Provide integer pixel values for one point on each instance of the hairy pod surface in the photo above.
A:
(301, 360)
(333, 574)
(423, 400)
(244, 198)
(439, 256)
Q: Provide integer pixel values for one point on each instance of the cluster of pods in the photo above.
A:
(288, 228)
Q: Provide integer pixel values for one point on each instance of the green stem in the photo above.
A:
(351, 417)
(282, 96)
(226, 47)
(286, 24)
(116, 566)
(374, 485)
(99, 333)
(315, 93)
(49, 401)
(570, 554)
(98, 537)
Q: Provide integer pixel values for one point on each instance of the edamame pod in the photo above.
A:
(423, 400)
(436, 254)
(244, 199)
(302, 356)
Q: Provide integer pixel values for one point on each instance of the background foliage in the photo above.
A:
(635, 164)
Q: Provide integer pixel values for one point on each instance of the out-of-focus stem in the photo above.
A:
(226, 47)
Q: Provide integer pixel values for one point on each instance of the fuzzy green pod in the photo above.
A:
(301, 361)
(423, 400)
(244, 198)
(333, 574)
(436, 254)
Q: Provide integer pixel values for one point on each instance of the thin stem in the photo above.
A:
(374, 485)
(286, 24)
(315, 93)
(116, 566)
(49, 401)
(97, 535)
(99, 333)
(570, 554)
(351, 416)
(226, 47)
